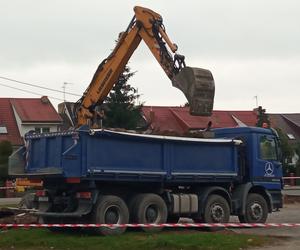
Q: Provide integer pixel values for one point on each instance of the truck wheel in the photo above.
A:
(149, 208)
(256, 210)
(216, 210)
(110, 209)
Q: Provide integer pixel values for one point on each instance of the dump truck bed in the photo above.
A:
(121, 156)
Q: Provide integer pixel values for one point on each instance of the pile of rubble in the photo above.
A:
(19, 216)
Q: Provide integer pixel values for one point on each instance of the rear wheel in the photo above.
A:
(110, 209)
(256, 210)
(149, 208)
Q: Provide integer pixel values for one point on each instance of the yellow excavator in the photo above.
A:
(196, 84)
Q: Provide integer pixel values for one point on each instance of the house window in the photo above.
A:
(267, 148)
(42, 129)
(45, 130)
(3, 129)
(291, 136)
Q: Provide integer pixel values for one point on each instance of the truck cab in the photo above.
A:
(260, 156)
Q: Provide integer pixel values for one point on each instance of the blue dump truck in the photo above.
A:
(104, 176)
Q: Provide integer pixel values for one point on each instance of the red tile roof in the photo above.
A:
(293, 118)
(29, 110)
(35, 110)
(288, 123)
(178, 119)
(7, 119)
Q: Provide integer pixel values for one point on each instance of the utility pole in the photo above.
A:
(256, 100)
(64, 89)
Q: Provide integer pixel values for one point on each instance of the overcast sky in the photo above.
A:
(252, 48)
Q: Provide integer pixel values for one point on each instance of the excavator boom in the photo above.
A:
(196, 84)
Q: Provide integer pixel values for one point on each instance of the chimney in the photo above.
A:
(44, 100)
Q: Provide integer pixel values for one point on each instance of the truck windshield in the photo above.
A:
(267, 148)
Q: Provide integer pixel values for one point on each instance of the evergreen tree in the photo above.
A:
(287, 152)
(121, 111)
(262, 117)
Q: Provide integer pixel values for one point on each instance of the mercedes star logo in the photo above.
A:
(269, 169)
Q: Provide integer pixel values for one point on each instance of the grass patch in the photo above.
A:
(41, 239)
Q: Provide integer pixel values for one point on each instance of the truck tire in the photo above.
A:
(216, 210)
(256, 209)
(149, 208)
(110, 209)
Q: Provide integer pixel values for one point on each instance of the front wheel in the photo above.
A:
(256, 210)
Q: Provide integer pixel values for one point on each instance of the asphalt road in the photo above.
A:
(290, 213)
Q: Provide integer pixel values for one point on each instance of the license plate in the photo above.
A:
(43, 199)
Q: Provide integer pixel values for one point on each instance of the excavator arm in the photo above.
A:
(197, 84)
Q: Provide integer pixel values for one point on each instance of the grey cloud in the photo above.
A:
(77, 31)
(251, 46)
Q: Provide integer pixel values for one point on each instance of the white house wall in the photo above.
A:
(26, 127)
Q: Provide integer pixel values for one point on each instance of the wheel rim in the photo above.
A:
(256, 211)
(217, 213)
(112, 215)
(152, 214)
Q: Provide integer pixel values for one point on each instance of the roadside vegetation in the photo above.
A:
(40, 239)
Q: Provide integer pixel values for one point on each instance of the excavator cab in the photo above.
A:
(198, 87)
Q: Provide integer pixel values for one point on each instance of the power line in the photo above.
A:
(31, 92)
(37, 86)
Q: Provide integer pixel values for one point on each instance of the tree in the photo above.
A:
(121, 109)
(262, 118)
(5, 151)
(287, 151)
(297, 151)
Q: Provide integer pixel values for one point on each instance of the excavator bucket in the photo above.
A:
(199, 88)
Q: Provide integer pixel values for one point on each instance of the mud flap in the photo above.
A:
(198, 87)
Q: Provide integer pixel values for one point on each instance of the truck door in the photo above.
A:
(268, 170)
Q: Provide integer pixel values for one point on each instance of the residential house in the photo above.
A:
(21, 115)
(178, 120)
(289, 124)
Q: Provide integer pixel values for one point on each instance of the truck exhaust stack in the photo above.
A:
(198, 87)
